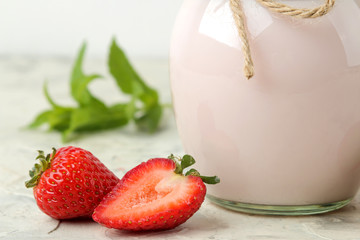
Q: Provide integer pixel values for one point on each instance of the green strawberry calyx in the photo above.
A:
(39, 168)
(187, 161)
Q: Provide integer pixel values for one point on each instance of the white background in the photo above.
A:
(58, 27)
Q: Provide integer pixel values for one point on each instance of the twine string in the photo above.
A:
(240, 22)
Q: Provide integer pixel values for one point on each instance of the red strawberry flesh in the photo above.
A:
(151, 196)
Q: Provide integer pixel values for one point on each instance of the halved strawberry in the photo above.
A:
(154, 195)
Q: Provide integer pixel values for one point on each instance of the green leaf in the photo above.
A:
(41, 119)
(79, 82)
(80, 90)
(91, 114)
(205, 179)
(94, 118)
(48, 97)
(192, 172)
(182, 163)
(32, 182)
(187, 161)
(38, 169)
(130, 82)
(59, 118)
(210, 180)
(121, 69)
(150, 97)
(149, 122)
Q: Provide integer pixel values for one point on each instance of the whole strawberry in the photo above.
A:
(70, 182)
(154, 195)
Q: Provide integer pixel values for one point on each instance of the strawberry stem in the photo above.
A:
(187, 161)
(38, 169)
(177, 161)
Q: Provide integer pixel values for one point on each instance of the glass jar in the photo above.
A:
(286, 141)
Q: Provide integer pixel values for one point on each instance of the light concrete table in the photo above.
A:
(21, 99)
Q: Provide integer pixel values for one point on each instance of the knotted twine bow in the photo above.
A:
(239, 18)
